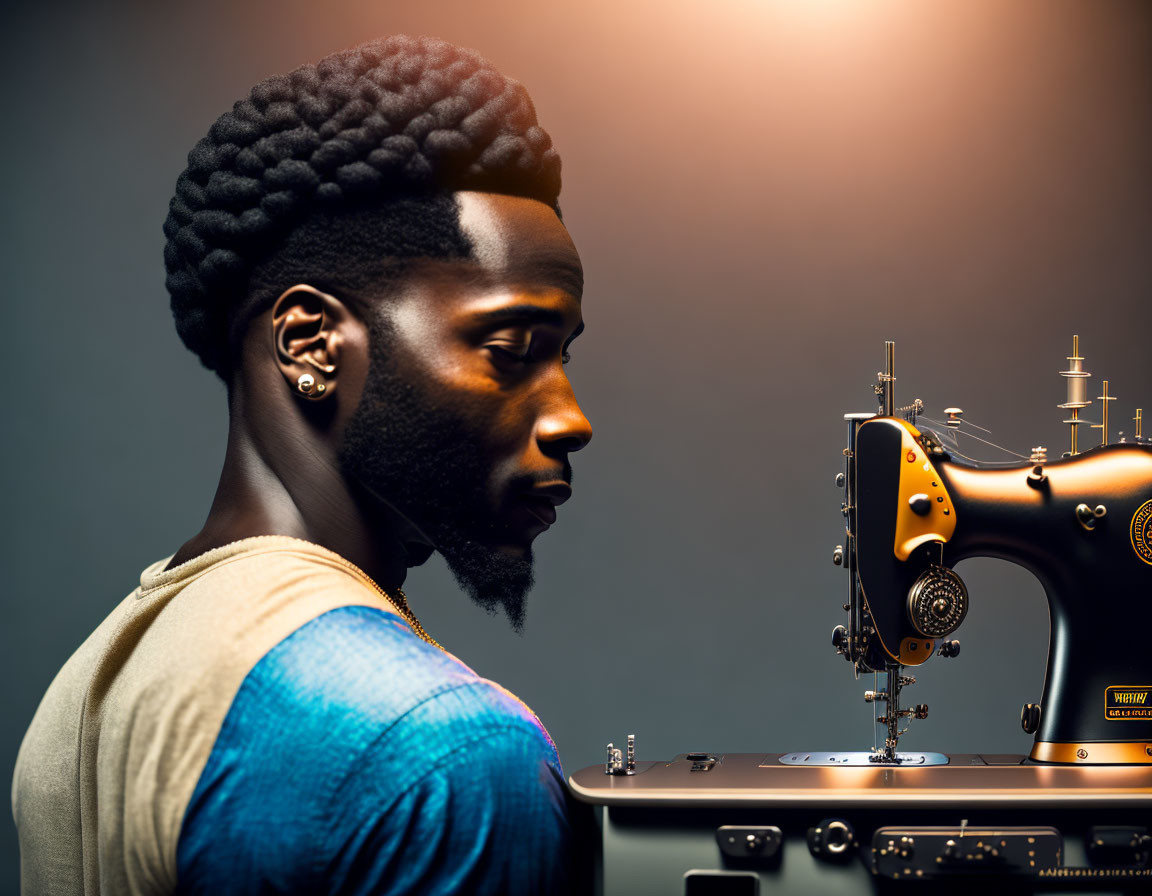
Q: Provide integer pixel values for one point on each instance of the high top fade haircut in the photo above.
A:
(334, 174)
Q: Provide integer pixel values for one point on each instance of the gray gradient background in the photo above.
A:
(762, 193)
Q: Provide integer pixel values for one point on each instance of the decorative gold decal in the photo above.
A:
(1142, 532)
(1126, 703)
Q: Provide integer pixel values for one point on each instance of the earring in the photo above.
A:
(307, 385)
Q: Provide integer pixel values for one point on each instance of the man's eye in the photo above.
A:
(509, 354)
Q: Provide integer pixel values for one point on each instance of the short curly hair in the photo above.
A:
(379, 134)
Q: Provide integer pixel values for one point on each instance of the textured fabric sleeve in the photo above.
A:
(356, 759)
(490, 818)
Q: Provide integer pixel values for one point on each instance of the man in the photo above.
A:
(368, 251)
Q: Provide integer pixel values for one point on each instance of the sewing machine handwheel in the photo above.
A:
(937, 602)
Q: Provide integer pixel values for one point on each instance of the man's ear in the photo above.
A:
(307, 339)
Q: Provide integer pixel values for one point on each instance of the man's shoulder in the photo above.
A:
(351, 728)
(361, 671)
(355, 695)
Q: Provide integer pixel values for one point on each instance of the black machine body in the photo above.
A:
(1082, 525)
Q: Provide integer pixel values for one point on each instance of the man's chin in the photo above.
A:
(494, 576)
(513, 550)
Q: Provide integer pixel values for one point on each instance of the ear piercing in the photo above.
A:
(307, 385)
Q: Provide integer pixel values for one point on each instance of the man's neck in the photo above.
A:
(289, 485)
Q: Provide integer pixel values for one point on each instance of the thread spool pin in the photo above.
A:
(1103, 424)
(1077, 378)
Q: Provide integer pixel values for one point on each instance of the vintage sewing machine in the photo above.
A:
(1077, 812)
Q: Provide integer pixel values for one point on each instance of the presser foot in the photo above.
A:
(893, 714)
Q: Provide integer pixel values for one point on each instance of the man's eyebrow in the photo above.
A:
(532, 314)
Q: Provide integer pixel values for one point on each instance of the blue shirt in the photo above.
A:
(358, 759)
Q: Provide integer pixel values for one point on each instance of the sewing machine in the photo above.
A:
(1081, 525)
(1076, 812)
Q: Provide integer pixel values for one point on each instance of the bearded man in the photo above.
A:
(369, 252)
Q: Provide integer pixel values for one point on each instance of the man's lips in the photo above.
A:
(555, 491)
(542, 499)
(541, 508)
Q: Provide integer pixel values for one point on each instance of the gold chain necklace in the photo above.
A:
(400, 601)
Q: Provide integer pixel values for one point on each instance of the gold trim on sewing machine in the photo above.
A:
(1093, 753)
(915, 651)
(924, 510)
(1141, 532)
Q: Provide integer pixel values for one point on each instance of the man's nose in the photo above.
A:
(562, 427)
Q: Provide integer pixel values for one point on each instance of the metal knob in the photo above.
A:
(1088, 516)
(831, 839)
(949, 649)
(921, 504)
(837, 836)
(839, 480)
(838, 555)
(1030, 717)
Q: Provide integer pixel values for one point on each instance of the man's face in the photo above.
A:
(467, 417)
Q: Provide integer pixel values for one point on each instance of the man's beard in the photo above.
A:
(426, 460)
